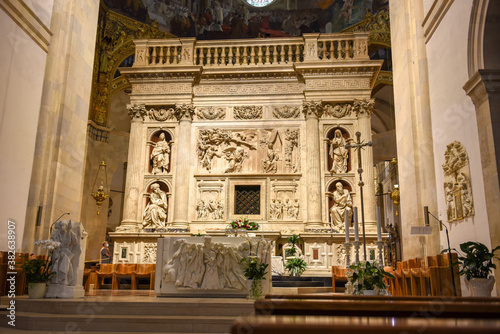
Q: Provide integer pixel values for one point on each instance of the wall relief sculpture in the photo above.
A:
(286, 112)
(229, 145)
(161, 115)
(284, 203)
(457, 184)
(211, 113)
(292, 152)
(248, 112)
(149, 253)
(209, 210)
(207, 266)
(155, 213)
(338, 110)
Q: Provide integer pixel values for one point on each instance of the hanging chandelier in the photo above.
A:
(100, 193)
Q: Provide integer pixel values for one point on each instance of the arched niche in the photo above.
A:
(331, 187)
(160, 152)
(336, 147)
(165, 187)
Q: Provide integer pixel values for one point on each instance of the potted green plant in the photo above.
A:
(476, 265)
(294, 240)
(37, 272)
(368, 279)
(296, 266)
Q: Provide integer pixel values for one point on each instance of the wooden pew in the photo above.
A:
(358, 325)
(382, 306)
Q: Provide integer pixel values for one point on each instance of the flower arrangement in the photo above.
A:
(244, 223)
(255, 265)
(366, 276)
(37, 271)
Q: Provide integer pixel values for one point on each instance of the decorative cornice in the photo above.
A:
(434, 17)
(481, 85)
(27, 20)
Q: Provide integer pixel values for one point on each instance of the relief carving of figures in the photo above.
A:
(292, 156)
(210, 209)
(248, 112)
(160, 156)
(280, 210)
(269, 163)
(342, 201)
(155, 213)
(161, 115)
(150, 253)
(338, 153)
(211, 113)
(286, 112)
(65, 257)
(211, 140)
(338, 111)
(207, 266)
(457, 185)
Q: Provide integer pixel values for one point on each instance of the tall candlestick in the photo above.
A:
(379, 227)
(356, 233)
(346, 226)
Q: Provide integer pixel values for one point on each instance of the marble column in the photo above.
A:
(131, 218)
(184, 115)
(312, 112)
(363, 110)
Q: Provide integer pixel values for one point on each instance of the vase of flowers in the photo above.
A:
(255, 267)
(37, 272)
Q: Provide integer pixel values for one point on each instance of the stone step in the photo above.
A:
(120, 323)
(154, 307)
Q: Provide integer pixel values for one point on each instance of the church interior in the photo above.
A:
(248, 165)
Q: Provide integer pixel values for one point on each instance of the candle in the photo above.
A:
(346, 226)
(379, 227)
(356, 233)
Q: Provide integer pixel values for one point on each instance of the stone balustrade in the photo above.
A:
(252, 52)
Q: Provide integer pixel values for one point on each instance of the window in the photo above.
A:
(247, 200)
(259, 3)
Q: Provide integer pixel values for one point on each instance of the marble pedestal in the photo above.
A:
(64, 291)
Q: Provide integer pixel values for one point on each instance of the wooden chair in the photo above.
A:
(144, 271)
(391, 282)
(105, 271)
(398, 281)
(21, 284)
(3, 273)
(123, 270)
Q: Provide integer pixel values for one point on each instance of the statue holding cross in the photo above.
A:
(359, 145)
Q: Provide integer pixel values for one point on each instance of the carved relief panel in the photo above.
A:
(210, 204)
(457, 184)
(284, 203)
(255, 151)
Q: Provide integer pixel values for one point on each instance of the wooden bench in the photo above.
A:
(381, 306)
(358, 325)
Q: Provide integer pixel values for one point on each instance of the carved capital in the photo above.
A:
(137, 112)
(312, 109)
(184, 112)
(363, 107)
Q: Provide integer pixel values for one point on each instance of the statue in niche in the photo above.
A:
(155, 213)
(338, 153)
(270, 161)
(342, 202)
(161, 155)
(65, 258)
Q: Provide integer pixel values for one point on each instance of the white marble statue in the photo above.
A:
(341, 202)
(161, 155)
(338, 153)
(65, 257)
(155, 213)
(67, 260)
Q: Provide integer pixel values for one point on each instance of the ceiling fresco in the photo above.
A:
(223, 19)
